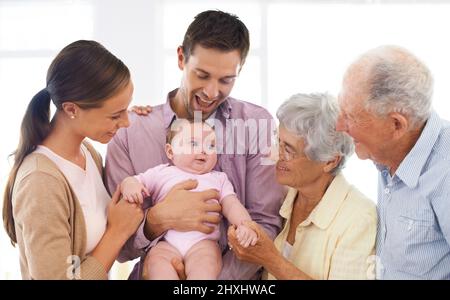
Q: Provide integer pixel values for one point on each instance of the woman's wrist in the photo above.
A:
(273, 262)
(108, 248)
(116, 235)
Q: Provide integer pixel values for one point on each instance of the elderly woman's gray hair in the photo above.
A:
(398, 82)
(313, 117)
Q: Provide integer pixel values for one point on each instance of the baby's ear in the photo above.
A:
(169, 151)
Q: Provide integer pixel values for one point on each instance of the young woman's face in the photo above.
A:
(101, 124)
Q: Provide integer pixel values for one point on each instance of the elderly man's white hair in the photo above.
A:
(313, 117)
(398, 82)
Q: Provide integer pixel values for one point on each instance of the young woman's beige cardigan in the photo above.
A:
(50, 226)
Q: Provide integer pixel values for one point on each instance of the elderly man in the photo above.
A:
(386, 107)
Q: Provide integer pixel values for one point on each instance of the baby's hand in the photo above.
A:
(246, 236)
(133, 191)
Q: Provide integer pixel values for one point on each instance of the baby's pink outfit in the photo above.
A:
(160, 180)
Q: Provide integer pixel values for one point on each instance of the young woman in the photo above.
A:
(56, 207)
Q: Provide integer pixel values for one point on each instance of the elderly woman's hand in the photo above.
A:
(256, 254)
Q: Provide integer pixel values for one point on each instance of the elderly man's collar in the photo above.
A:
(411, 167)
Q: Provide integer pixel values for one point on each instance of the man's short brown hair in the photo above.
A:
(216, 29)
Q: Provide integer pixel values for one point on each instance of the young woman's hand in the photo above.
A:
(123, 217)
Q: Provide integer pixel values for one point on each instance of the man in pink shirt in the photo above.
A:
(212, 54)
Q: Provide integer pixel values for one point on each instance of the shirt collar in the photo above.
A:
(325, 211)
(286, 207)
(411, 167)
(224, 110)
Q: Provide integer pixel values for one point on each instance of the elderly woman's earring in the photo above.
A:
(72, 117)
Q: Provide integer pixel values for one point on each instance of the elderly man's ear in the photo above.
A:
(330, 165)
(400, 124)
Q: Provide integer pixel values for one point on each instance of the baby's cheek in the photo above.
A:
(213, 161)
(183, 160)
(214, 158)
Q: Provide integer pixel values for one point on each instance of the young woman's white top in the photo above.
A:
(90, 191)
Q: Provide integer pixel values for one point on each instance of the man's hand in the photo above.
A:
(184, 210)
(178, 265)
(141, 110)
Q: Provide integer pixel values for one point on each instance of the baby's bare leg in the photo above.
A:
(157, 264)
(203, 261)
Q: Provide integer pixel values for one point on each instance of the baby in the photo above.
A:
(191, 148)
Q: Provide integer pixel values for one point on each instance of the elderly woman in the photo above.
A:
(329, 226)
